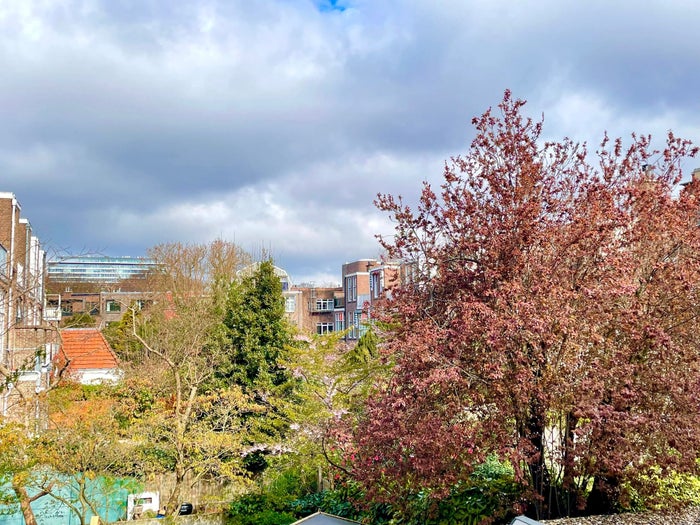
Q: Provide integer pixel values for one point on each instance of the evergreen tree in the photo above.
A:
(259, 338)
(258, 332)
(120, 337)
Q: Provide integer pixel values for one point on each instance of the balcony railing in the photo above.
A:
(322, 307)
(52, 314)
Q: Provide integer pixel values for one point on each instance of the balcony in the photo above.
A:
(321, 306)
(52, 313)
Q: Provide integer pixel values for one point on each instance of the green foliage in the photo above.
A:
(670, 490)
(339, 502)
(78, 320)
(120, 336)
(334, 380)
(683, 489)
(258, 332)
(365, 351)
(490, 493)
(256, 338)
(136, 399)
(258, 509)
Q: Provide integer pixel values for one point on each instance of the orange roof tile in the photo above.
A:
(87, 349)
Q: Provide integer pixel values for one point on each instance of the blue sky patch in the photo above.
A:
(331, 5)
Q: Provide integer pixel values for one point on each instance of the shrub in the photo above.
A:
(257, 509)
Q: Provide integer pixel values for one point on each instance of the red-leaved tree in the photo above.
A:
(553, 319)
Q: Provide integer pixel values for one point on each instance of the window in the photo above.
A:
(363, 325)
(290, 304)
(3, 260)
(409, 273)
(358, 324)
(351, 288)
(324, 305)
(92, 308)
(376, 284)
(324, 328)
(339, 321)
(113, 306)
(353, 324)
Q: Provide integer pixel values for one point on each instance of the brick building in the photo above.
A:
(365, 282)
(104, 307)
(28, 331)
(312, 309)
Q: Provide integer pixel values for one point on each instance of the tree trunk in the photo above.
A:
(173, 505)
(25, 501)
(604, 496)
(539, 474)
(570, 491)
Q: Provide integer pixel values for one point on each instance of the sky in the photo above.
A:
(274, 124)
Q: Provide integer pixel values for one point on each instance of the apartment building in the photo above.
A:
(105, 307)
(28, 331)
(365, 283)
(312, 309)
(308, 308)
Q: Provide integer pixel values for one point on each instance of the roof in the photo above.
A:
(87, 349)
(321, 518)
(524, 520)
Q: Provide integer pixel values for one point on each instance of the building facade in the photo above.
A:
(98, 269)
(28, 330)
(312, 309)
(365, 283)
(104, 307)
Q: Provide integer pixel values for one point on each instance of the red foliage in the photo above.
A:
(553, 319)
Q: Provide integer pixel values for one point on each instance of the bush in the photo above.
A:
(489, 494)
(257, 509)
(661, 491)
(336, 502)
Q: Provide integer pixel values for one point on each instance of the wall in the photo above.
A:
(194, 519)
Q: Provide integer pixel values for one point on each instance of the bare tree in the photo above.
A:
(181, 335)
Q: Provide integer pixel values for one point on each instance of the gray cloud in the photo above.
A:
(277, 122)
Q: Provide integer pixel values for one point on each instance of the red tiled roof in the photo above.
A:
(87, 349)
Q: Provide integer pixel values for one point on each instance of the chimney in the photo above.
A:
(694, 177)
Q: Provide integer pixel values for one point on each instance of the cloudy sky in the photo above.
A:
(275, 123)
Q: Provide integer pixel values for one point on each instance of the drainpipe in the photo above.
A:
(11, 280)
